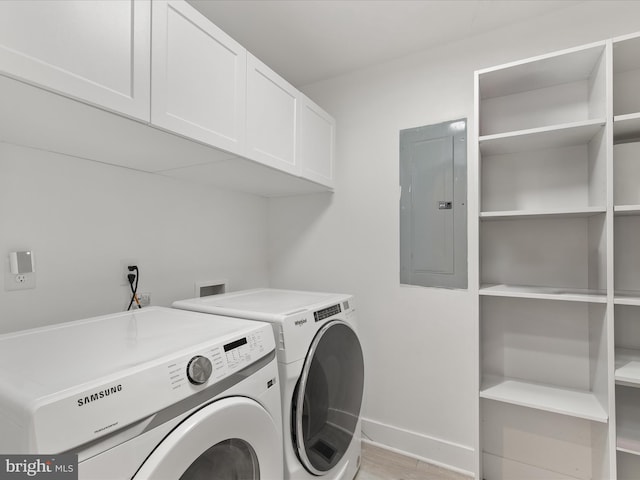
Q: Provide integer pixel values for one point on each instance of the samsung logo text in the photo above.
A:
(99, 395)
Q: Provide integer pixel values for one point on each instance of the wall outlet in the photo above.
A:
(21, 281)
(144, 299)
(124, 270)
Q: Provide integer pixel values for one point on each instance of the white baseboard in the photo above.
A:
(436, 451)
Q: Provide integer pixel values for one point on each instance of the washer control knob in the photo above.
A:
(199, 370)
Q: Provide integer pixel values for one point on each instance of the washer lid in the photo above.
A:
(90, 377)
(265, 304)
(47, 360)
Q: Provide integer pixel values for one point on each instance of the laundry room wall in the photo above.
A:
(83, 218)
(420, 343)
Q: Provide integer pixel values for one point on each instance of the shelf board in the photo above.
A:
(540, 72)
(543, 213)
(626, 297)
(627, 445)
(565, 401)
(555, 136)
(627, 367)
(626, 127)
(621, 210)
(544, 293)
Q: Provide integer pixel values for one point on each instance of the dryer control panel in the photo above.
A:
(295, 333)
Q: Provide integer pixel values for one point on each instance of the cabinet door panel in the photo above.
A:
(271, 117)
(96, 51)
(199, 77)
(316, 143)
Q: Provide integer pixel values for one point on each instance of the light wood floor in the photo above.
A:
(380, 464)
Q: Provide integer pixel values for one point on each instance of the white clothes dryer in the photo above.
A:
(321, 371)
(155, 394)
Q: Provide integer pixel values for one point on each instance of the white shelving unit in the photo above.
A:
(558, 146)
(544, 137)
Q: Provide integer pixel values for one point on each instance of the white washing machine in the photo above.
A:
(155, 393)
(321, 374)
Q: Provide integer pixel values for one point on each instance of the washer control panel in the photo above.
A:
(219, 360)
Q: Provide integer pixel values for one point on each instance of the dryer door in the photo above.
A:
(328, 397)
(233, 438)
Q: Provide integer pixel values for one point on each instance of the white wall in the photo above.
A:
(420, 343)
(82, 218)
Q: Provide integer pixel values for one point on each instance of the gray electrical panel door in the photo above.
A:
(433, 211)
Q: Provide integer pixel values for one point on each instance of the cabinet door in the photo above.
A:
(316, 143)
(199, 78)
(96, 51)
(271, 118)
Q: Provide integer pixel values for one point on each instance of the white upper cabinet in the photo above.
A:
(198, 106)
(272, 118)
(95, 51)
(198, 77)
(316, 143)
(285, 129)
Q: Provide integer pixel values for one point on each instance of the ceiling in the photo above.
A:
(306, 41)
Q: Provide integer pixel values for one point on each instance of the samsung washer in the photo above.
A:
(155, 393)
(321, 374)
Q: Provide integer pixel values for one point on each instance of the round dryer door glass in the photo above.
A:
(327, 400)
(232, 459)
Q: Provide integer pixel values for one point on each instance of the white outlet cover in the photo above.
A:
(24, 281)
